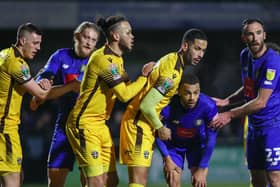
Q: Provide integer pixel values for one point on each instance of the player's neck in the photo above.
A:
(114, 47)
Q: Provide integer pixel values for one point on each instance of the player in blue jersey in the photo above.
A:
(261, 88)
(65, 67)
(188, 116)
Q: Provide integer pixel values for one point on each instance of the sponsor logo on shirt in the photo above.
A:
(267, 82)
(25, 72)
(185, 132)
(270, 74)
(95, 154)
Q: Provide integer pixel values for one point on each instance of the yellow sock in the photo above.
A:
(135, 185)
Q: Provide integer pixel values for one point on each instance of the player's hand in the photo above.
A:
(164, 133)
(172, 172)
(221, 120)
(147, 68)
(199, 177)
(45, 84)
(220, 102)
(75, 84)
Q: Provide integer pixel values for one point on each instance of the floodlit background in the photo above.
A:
(158, 27)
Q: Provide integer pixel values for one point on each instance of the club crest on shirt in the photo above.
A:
(65, 66)
(270, 74)
(175, 122)
(198, 122)
(114, 71)
(83, 67)
(25, 72)
(165, 85)
(94, 154)
(146, 154)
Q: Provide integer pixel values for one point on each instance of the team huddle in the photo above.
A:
(165, 107)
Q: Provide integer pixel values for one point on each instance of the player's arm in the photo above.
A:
(125, 92)
(251, 107)
(236, 97)
(40, 90)
(147, 107)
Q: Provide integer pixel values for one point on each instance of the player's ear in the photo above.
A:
(264, 35)
(76, 36)
(185, 46)
(242, 38)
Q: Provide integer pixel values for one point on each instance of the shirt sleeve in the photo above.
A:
(271, 73)
(210, 133)
(20, 71)
(209, 148)
(160, 143)
(115, 78)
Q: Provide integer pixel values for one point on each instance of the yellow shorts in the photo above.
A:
(93, 148)
(136, 142)
(10, 153)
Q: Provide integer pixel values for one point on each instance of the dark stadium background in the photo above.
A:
(158, 28)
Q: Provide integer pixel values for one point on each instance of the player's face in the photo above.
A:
(254, 37)
(126, 39)
(31, 44)
(189, 94)
(85, 42)
(195, 51)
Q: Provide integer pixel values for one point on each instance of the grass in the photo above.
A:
(188, 185)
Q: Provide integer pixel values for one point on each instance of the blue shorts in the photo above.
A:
(60, 154)
(178, 155)
(263, 148)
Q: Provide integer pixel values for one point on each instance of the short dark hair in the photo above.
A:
(189, 78)
(109, 23)
(27, 27)
(192, 34)
(250, 21)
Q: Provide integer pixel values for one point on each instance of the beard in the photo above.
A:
(255, 49)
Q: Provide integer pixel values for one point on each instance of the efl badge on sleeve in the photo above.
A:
(166, 85)
(25, 72)
(270, 74)
(114, 71)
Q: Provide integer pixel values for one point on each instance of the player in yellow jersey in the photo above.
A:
(141, 118)
(104, 80)
(15, 80)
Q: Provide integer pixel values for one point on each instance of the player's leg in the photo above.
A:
(274, 178)
(11, 158)
(173, 165)
(110, 176)
(60, 159)
(272, 148)
(198, 168)
(258, 178)
(11, 179)
(137, 175)
(136, 150)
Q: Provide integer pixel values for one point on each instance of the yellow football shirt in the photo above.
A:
(104, 79)
(14, 71)
(165, 77)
